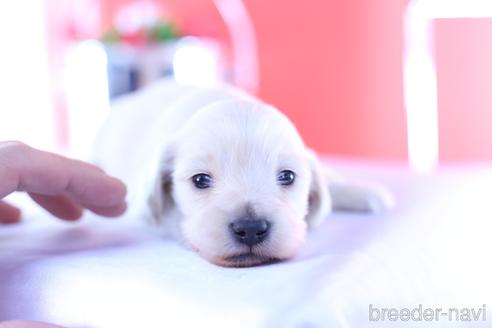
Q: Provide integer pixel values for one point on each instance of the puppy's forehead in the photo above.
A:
(243, 124)
(241, 133)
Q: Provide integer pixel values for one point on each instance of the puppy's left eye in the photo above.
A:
(202, 181)
(286, 177)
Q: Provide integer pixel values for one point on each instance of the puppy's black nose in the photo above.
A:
(250, 231)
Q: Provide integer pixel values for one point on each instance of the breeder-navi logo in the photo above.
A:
(427, 314)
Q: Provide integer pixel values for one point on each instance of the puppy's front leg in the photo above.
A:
(353, 196)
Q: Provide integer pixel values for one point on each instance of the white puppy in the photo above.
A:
(226, 173)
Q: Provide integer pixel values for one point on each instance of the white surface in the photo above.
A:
(433, 249)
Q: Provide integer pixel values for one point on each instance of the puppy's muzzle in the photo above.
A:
(250, 231)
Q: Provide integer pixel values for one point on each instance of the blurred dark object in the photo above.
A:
(122, 70)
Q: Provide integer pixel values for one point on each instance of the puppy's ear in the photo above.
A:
(160, 199)
(319, 198)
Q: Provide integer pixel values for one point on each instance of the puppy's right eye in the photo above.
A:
(202, 181)
(286, 177)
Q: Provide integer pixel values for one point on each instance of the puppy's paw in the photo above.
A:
(365, 198)
(378, 199)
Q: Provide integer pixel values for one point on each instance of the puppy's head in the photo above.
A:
(246, 186)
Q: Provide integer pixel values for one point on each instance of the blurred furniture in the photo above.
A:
(334, 67)
(448, 72)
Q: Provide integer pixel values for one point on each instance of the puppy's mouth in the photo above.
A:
(247, 260)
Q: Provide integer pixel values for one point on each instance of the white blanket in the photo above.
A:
(433, 251)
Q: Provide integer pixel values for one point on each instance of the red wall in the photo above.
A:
(335, 67)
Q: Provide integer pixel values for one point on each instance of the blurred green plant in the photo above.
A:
(162, 32)
(111, 36)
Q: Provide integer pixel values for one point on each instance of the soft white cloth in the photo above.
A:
(433, 249)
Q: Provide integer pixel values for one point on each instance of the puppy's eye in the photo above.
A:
(202, 181)
(286, 177)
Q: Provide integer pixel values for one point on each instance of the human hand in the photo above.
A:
(60, 185)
